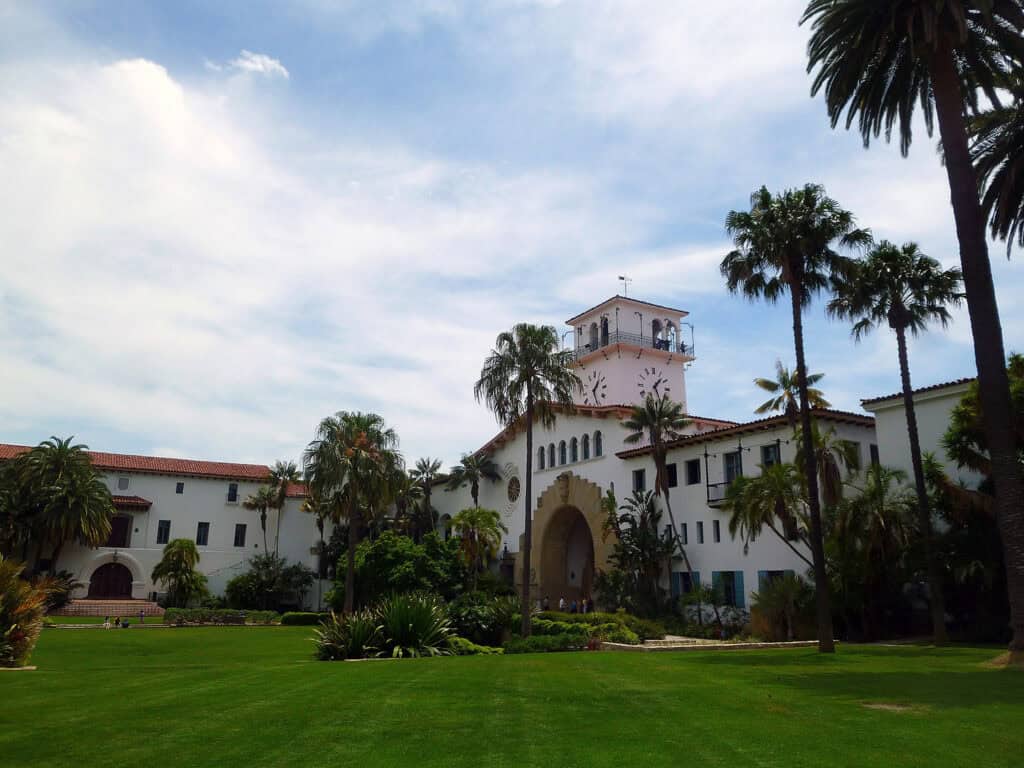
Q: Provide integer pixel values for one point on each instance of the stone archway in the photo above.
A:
(568, 548)
(137, 580)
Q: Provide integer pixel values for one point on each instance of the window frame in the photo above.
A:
(202, 532)
(700, 531)
(162, 529)
(240, 528)
(672, 475)
(689, 476)
(716, 531)
(179, 488)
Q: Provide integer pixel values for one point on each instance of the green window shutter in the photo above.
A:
(716, 584)
(677, 579)
(696, 579)
(791, 573)
(762, 579)
(741, 596)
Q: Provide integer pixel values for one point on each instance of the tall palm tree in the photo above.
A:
(526, 377)
(906, 290)
(283, 474)
(425, 474)
(73, 502)
(875, 61)
(261, 501)
(772, 499)
(471, 469)
(997, 149)
(480, 532)
(344, 466)
(407, 495)
(659, 420)
(832, 457)
(784, 243)
(785, 393)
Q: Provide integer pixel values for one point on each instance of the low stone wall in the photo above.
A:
(708, 646)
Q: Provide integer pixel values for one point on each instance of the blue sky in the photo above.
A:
(223, 221)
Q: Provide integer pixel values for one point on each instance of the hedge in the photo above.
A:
(645, 629)
(460, 646)
(545, 643)
(302, 619)
(195, 616)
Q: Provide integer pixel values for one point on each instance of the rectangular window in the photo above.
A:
(716, 531)
(239, 534)
(123, 483)
(770, 455)
(693, 471)
(202, 534)
(728, 582)
(686, 535)
(232, 493)
(163, 531)
(683, 582)
(875, 461)
(733, 466)
(639, 479)
(764, 578)
(728, 587)
(179, 488)
(672, 475)
(700, 532)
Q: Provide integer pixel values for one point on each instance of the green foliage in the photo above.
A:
(460, 646)
(270, 583)
(177, 572)
(413, 625)
(545, 643)
(348, 636)
(644, 629)
(471, 469)
(62, 586)
(779, 604)
(785, 393)
(193, 616)
(549, 627)
(302, 619)
(22, 607)
(396, 564)
(479, 534)
(484, 618)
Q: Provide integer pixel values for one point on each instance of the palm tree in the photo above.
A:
(480, 531)
(785, 393)
(875, 61)
(177, 569)
(282, 476)
(905, 289)
(660, 421)
(831, 455)
(471, 469)
(345, 466)
(407, 495)
(784, 243)
(73, 502)
(425, 474)
(261, 501)
(997, 149)
(526, 377)
(773, 498)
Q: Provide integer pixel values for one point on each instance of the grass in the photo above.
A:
(232, 696)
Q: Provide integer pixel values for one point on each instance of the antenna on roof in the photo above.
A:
(625, 284)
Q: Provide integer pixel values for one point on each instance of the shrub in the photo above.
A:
(62, 585)
(394, 564)
(545, 643)
(645, 629)
(22, 605)
(302, 619)
(547, 627)
(269, 583)
(483, 618)
(778, 606)
(197, 616)
(347, 636)
(616, 633)
(413, 625)
(460, 646)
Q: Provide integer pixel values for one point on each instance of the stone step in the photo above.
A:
(123, 608)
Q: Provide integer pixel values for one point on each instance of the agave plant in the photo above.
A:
(347, 636)
(22, 605)
(413, 625)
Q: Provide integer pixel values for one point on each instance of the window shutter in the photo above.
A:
(716, 584)
(677, 588)
(762, 579)
(696, 579)
(740, 592)
(790, 573)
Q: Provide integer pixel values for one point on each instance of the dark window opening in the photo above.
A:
(179, 488)
(163, 531)
(875, 461)
(639, 479)
(700, 532)
(716, 531)
(239, 534)
(671, 475)
(232, 492)
(202, 534)
(770, 455)
(693, 471)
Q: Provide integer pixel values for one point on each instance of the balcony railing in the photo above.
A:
(716, 493)
(635, 339)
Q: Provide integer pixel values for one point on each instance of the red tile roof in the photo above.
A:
(930, 388)
(156, 465)
(296, 491)
(131, 502)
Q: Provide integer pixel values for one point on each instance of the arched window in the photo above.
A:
(586, 447)
(574, 450)
(656, 331)
(551, 455)
(561, 452)
(593, 337)
(540, 458)
(604, 331)
(598, 448)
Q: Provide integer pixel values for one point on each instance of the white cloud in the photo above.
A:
(255, 63)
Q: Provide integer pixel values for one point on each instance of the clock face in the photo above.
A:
(653, 381)
(595, 388)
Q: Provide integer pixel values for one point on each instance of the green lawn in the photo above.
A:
(253, 697)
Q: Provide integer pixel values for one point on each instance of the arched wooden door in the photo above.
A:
(112, 580)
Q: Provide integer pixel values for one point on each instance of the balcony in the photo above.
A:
(633, 339)
(716, 493)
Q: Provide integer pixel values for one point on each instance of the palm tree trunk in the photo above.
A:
(826, 644)
(924, 514)
(277, 534)
(662, 472)
(474, 490)
(350, 558)
(788, 543)
(524, 628)
(989, 353)
(263, 525)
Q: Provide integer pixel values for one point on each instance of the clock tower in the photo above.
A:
(626, 349)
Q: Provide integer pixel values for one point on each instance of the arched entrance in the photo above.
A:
(567, 556)
(111, 581)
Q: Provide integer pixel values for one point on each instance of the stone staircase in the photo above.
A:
(126, 609)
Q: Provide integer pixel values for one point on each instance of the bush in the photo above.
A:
(62, 585)
(22, 605)
(483, 618)
(302, 619)
(547, 627)
(460, 646)
(393, 564)
(645, 629)
(269, 583)
(413, 625)
(616, 633)
(197, 616)
(545, 643)
(351, 636)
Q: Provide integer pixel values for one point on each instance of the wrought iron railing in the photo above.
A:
(636, 339)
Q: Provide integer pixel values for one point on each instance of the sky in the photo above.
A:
(221, 222)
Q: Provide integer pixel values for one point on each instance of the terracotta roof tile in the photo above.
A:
(131, 502)
(930, 388)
